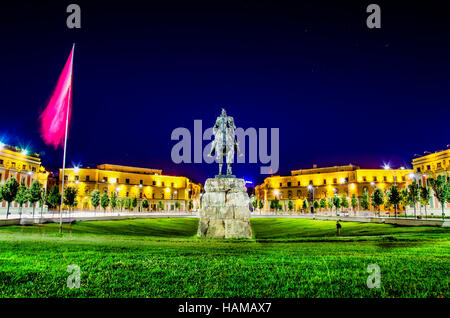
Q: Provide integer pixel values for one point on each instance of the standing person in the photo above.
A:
(338, 228)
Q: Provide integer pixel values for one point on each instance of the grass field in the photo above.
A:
(163, 258)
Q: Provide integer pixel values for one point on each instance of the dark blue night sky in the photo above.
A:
(339, 92)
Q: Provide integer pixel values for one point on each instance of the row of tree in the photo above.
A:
(12, 191)
(392, 197)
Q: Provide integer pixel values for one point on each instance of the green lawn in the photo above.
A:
(163, 258)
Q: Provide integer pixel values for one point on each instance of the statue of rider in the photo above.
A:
(225, 143)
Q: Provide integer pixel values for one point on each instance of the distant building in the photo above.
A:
(21, 164)
(431, 166)
(317, 183)
(133, 182)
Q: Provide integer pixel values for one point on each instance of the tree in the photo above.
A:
(53, 197)
(260, 204)
(95, 198)
(35, 194)
(441, 190)
(161, 205)
(254, 202)
(177, 206)
(316, 205)
(113, 201)
(145, 204)
(70, 196)
(394, 197)
(9, 192)
(127, 204)
(190, 205)
(290, 205)
(377, 199)
(425, 197)
(134, 203)
(365, 200)
(337, 202)
(22, 196)
(354, 203)
(275, 204)
(305, 205)
(413, 194)
(323, 203)
(344, 201)
(120, 203)
(330, 204)
(404, 198)
(104, 201)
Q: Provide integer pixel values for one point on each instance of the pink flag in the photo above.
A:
(54, 117)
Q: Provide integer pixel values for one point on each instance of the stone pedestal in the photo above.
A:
(225, 209)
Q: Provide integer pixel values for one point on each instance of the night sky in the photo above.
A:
(339, 92)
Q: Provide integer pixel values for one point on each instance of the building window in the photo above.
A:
(66, 178)
(324, 181)
(335, 180)
(141, 181)
(13, 164)
(403, 178)
(127, 181)
(77, 178)
(127, 194)
(140, 195)
(281, 184)
(105, 179)
(298, 183)
(375, 179)
(428, 167)
(154, 182)
(33, 169)
(418, 169)
(153, 195)
(171, 184)
(163, 186)
(384, 178)
(1, 161)
(288, 184)
(87, 178)
(439, 165)
(24, 167)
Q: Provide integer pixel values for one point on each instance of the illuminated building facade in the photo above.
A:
(23, 165)
(318, 183)
(431, 166)
(133, 182)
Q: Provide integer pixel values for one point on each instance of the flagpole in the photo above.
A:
(65, 143)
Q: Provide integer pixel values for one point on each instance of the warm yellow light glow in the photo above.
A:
(275, 192)
(341, 180)
(167, 190)
(112, 180)
(352, 186)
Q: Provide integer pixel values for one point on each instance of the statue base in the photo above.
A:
(225, 209)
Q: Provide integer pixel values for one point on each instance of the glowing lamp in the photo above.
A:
(167, 190)
(2, 145)
(24, 152)
(112, 180)
(76, 169)
(341, 180)
(386, 167)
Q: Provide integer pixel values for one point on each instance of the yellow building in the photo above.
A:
(21, 164)
(133, 182)
(431, 166)
(318, 183)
